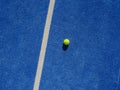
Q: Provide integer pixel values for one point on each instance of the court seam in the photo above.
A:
(44, 45)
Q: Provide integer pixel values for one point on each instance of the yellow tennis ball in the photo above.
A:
(66, 42)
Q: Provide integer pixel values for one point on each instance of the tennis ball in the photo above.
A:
(66, 42)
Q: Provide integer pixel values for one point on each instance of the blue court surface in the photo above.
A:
(92, 60)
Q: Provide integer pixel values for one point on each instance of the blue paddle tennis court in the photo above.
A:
(92, 60)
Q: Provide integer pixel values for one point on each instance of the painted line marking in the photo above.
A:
(44, 45)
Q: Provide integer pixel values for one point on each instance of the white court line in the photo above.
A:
(44, 45)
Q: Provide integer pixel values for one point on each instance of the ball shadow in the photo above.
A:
(65, 47)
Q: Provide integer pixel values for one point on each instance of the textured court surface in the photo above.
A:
(21, 30)
(91, 62)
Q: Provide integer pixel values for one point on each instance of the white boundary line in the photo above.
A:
(44, 45)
